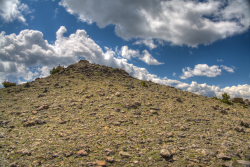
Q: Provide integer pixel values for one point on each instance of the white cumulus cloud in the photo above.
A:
(205, 70)
(27, 55)
(180, 22)
(147, 42)
(146, 57)
(11, 10)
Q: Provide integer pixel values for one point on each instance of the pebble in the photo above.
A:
(82, 153)
(124, 154)
(166, 154)
(223, 156)
(101, 163)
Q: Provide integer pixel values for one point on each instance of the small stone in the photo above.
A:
(170, 134)
(245, 124)
(243, 162)
(117, 109)
(124, 154)
(153, 112)
(101, 163)
(240, 129)
(68, 154)
(14, 164)
(228, 164)
(118, 94)
(41, 95)
(82, 153)
(25, 152)
(34, 112)
(117, 123)
(34, 122)
(109, 152)
(166, 154)
(2, 135)
(110, 159)
(223, 156)
(43, 107)
(135, 162)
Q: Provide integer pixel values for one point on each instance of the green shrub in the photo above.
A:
(7, 84)
(27, 85)
(56, 69)
(226, 98)
(144, 84)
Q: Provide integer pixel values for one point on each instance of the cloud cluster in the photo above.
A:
(179, 22)
(11, 10)
(205, 70)
(147, 42)
(146, 57)
(28, 55)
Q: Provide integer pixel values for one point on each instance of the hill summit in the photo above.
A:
(93, 115)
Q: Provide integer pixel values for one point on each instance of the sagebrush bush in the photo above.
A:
(7, 84)
(144, 84)
(27, 85)
(226, 98)
(56, 69)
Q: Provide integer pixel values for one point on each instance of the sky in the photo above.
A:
(201, 46)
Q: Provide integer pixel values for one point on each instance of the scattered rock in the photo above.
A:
(41, 95)
(82, 153)
(110, 159)
(25, 152)
(228, 164)
(124, 154)
(153, 112)
(43, 107)
(239, 129)
(101, 163)
(117, 123)
(223, 156)
(34, 122)
(34, 112)
(45, 90)
(14, 164)
(68, 154)
(2, 135)
(117, 109)
(109, 152)
(133, 105)
(166, 154)
(245, 124)
(118, 94)
(179, 100)
(244, 163)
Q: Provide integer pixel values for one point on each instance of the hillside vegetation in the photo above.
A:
(92, 115)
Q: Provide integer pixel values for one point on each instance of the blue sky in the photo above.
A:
(204, 50)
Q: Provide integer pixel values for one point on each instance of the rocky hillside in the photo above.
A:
(92, 115)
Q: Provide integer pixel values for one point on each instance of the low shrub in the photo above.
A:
(144, 84)
(27, 85)
(7, 84)
(226, 98)
(56, 69)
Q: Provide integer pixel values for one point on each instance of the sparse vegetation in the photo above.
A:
(56, 69)
(7, 84)
(27, 85)
(226, 98)
(76, 118)
(144, 84)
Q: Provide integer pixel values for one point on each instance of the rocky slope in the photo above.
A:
(92, 115)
